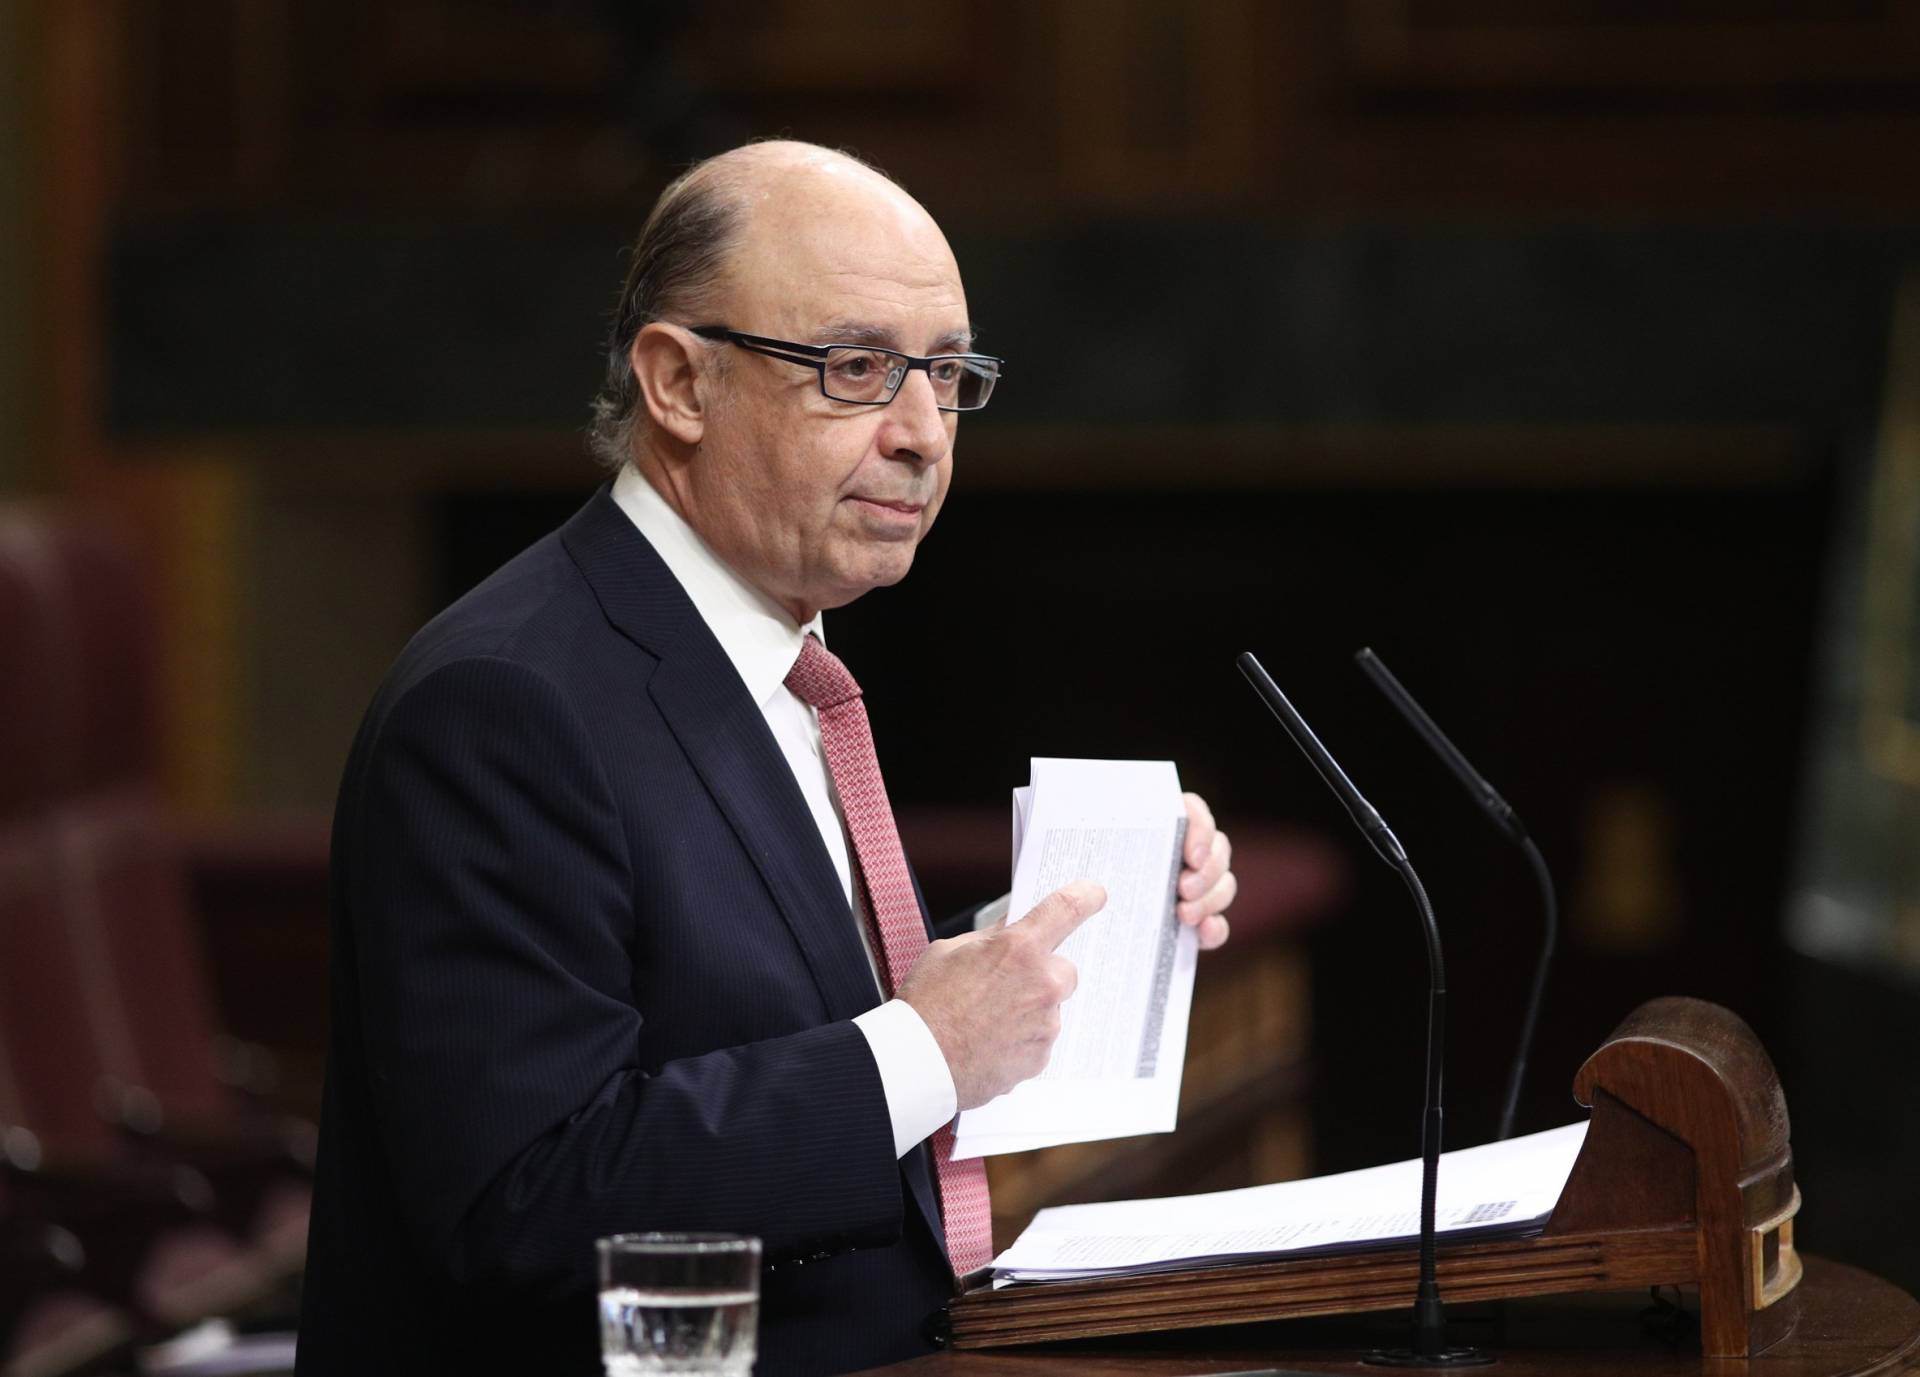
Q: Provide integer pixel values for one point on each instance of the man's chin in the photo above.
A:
(867, 576)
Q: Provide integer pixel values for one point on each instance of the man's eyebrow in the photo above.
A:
(885, 337)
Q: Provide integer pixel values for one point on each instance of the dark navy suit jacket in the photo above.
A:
(592, 973)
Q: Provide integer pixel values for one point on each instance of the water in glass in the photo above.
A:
(647, 1332)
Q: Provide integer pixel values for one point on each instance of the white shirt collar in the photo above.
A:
(754, 631)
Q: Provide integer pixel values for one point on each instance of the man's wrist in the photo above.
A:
(914, 1075)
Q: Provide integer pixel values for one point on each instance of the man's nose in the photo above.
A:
(914, 429)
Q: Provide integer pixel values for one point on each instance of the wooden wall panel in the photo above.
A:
(1014, 112)
(16, 328)
(1579, 45)
(1158, 103)
(837, 53)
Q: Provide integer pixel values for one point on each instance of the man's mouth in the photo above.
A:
(905, 507)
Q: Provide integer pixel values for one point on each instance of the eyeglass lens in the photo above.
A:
(853, 374)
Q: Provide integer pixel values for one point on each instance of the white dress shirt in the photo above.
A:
(762, 642)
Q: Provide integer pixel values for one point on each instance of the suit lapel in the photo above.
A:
(722, 731)
(726, 738)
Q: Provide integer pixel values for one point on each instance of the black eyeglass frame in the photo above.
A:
(814, 356)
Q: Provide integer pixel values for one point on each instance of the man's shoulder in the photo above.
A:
(540, 610)
(557, 588)
(524, 611)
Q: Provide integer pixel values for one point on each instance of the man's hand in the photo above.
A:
(992, 998)
(1206, 885)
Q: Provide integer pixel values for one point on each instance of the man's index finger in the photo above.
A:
(1055, 917)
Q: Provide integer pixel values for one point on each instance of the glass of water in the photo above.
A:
(679, 1303)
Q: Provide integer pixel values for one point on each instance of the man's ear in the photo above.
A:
(667, 362)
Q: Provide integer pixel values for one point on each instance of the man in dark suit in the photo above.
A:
(599, 962)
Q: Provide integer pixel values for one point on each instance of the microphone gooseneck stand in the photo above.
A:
(1429, 1347)
(1550, 938)
(1501, 814)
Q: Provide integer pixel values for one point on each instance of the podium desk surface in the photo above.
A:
(1851, 1324)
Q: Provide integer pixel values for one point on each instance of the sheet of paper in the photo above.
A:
(1503, 1188)
(1115, 1070)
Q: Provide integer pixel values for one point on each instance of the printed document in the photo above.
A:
(1498, 1189)
(1115, 1069)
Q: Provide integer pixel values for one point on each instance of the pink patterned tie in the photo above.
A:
(818, 678)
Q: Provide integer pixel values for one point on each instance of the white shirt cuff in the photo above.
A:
(989, 914)
(913, 1072)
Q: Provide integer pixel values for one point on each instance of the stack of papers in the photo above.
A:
(1115, 1069)
(1499, 1189)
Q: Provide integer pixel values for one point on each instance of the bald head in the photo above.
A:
(770, 171)
(754, 214)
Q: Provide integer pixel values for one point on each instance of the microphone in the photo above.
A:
(1430, 1347)
(1503, 817)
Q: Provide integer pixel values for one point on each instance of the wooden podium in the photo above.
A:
(1685, 1180)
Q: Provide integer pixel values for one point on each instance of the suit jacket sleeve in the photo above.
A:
(492, 898)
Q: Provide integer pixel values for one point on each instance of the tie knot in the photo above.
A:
(818, 679)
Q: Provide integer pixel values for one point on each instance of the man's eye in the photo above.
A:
(946, 370)
(858, 366)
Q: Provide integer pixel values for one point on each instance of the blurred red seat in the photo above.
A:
(49, 1322)
(79, 721)
(131, 934)
(110, 1035)
(149, 1241)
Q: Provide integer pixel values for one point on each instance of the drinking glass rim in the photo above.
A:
(678, 1243)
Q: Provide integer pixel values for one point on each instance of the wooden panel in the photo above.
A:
(1154, 96)
(76, 183)
(476, 48)
(1675, 1072)
(991, 108)
(1492, 44)
(1322, 1286)
(16, 329)
(206, 108)
(803, 47)
(1851, 1323)
(191, 512)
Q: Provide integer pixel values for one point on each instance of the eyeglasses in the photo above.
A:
(867, 376)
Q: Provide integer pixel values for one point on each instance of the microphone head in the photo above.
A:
(1364, 815)
(1497, 809)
